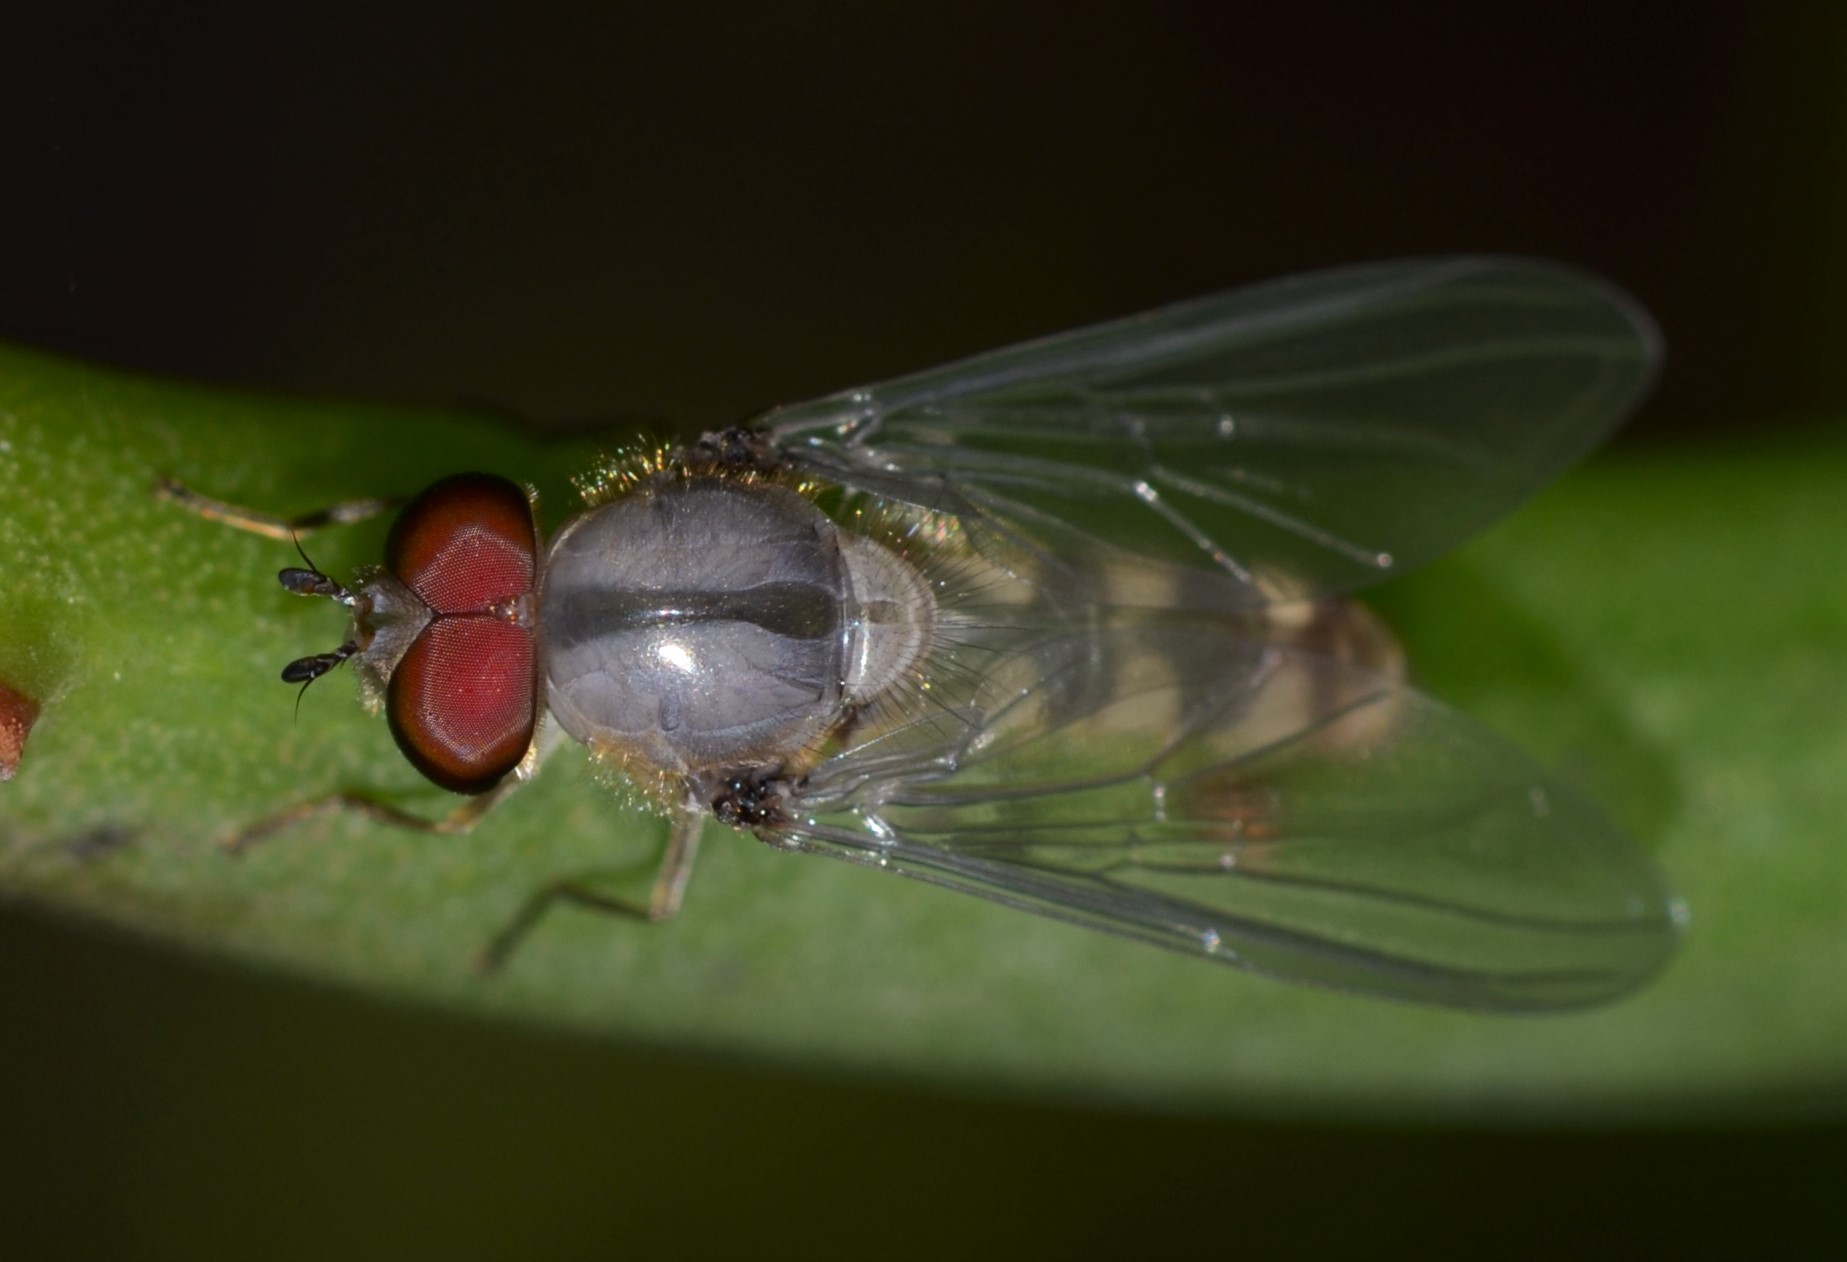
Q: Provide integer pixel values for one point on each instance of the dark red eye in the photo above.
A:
(463, 701)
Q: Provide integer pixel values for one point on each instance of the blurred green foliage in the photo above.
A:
(1680, 662)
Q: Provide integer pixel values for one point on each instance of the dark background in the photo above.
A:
(691, 214)
(682, 216)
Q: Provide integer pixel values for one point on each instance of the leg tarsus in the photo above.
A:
(269, 525)
(574, 891)
(664, 896)
(456, 822)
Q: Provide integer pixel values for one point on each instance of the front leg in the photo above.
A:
(454, 823)
(269, 525)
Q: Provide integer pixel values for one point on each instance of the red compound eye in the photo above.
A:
(463, 701)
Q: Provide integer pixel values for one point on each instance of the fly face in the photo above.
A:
(443, 634)
(1064, 626)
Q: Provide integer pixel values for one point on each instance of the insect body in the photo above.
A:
(1061, 625)
(701, 626)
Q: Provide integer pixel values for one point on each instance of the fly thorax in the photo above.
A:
(697, 624)
(890, 619)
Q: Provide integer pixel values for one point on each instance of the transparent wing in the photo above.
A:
(1254, 803)
(1303, 437)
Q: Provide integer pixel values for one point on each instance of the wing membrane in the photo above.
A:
(1247, 801)
(1301, 438)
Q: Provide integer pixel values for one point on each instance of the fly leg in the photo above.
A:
(270, 526)
(663, 902)
(370, 805)
(456, 822)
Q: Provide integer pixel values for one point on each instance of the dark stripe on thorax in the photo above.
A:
(796, 611)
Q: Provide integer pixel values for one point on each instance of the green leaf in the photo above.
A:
(1665, 625)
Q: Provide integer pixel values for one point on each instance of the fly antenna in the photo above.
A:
(305, 670)
(311, 581)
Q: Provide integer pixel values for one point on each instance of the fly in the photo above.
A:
(1064, 625)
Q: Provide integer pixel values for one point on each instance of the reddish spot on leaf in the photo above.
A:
(16, 715)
